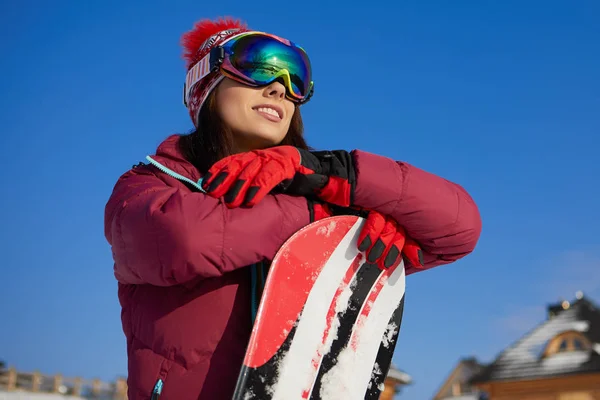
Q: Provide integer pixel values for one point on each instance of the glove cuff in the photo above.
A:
(338, 167)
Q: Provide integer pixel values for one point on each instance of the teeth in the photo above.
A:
(269, 111)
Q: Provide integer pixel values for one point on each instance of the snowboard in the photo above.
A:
(327, 323)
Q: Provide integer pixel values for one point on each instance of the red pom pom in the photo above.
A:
(192, 40)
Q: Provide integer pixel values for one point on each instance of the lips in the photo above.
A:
(269, 111)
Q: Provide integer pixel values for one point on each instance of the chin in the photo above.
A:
(269, 136)
(262, 140)
(270, 141)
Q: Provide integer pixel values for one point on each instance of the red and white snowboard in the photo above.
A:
(327, 324)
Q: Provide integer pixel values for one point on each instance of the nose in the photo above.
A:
(275, 90)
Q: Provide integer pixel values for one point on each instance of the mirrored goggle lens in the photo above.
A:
(262, 58)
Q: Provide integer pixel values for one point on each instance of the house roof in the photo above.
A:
(524, 359)
(400, 376)
(460, 375)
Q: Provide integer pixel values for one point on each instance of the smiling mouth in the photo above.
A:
(269, 112)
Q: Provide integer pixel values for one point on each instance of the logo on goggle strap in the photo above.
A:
(216, 38)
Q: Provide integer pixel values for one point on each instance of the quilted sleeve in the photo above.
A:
(162, 233)
(440, 215)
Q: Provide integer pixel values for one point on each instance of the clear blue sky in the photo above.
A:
(502, 97)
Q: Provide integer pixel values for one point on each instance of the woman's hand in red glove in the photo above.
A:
(384, 241)
(246, 178)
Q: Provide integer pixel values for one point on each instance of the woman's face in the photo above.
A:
(258, 117)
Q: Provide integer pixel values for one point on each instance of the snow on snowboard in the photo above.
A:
(327, 323)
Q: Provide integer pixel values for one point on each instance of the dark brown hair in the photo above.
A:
(213, 140)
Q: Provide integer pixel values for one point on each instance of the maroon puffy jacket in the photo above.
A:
(181, 260)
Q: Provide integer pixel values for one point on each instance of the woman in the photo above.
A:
(191, 229)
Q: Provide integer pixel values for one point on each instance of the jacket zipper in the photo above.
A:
(197, 185)
(157, 390)
(253, 268)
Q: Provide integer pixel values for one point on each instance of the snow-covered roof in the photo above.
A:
(524, 359)
(399, 375)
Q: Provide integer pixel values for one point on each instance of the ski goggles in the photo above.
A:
(258, 59)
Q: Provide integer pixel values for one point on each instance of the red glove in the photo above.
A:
(384, 241)
(319, 210)
(246, 178)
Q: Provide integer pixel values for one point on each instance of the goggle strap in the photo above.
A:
(204, 67)
(195, 74)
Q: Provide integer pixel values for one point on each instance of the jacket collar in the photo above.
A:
(170, 160)
(169, 155)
